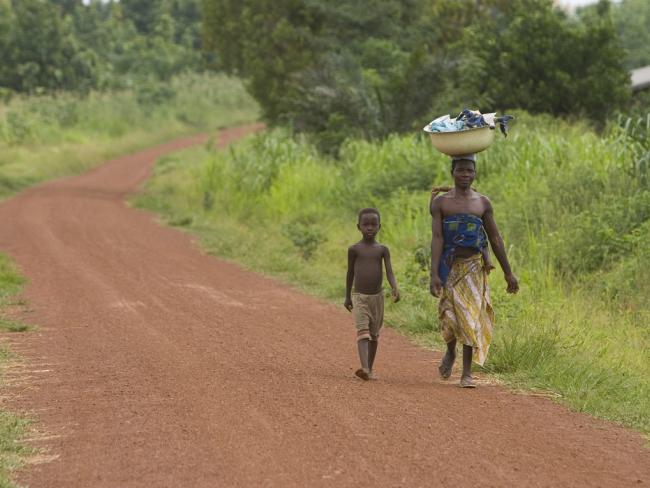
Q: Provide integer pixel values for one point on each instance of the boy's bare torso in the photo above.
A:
(368, 274)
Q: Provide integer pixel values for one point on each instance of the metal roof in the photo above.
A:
(640, 78)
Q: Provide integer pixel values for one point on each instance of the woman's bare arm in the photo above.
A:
(498, 246)
(436, 246)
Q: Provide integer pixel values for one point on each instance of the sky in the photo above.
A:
(577, 3)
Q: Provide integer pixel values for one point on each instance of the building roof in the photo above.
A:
(640, 78)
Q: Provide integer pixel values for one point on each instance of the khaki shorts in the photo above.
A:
(368, 311)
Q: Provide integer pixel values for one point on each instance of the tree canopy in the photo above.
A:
(379, 66)
(338, 69)
(632, 22)
(50, 45)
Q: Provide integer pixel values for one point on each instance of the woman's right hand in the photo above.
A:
(436, 286)
(513, 283)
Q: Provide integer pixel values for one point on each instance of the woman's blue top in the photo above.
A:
(460, 230)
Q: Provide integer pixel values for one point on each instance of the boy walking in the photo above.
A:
(367, 302)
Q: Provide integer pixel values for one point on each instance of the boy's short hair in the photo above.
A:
(365, 211)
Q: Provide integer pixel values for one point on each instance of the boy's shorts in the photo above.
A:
(368, 311)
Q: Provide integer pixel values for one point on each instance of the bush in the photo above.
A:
(305, 235)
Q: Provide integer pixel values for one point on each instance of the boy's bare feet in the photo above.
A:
(363, 374)
(467, 382)
(446, 365)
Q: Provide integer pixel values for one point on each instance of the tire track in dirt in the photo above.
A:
(156, 365)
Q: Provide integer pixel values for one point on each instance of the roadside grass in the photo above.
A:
(13, 326)
(47, 137)
(12, 453)
(12, 427)
(11, 282)
(570, 211)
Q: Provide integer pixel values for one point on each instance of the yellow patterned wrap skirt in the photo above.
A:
(465, 310)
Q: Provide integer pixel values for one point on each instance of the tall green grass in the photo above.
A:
(573, 206)
(12, 427)
(45, 137)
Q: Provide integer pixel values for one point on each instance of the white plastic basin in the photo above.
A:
(461, 142)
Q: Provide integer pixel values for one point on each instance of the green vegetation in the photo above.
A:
(12, 428)
(632, 21)
(104, 79)
(10, 281)
(573, 205)
(12, 325)
(48, 136)
(342, 69)
(54, 45)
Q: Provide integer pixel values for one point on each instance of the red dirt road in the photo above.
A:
(158, 366)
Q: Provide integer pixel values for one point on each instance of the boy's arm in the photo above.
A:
(349, 279)
(390, 276)
(436, 246)
(498, 247)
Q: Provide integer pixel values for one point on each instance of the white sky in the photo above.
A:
(577, 3)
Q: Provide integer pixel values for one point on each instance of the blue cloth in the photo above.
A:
(471, 119)
(446, 125)
(468, 119)
(460, 230)
(503, 123)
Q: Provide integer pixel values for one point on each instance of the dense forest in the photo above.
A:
(66, 45)
(338, 69)
(377, 67)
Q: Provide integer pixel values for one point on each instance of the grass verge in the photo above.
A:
(47, 137)
(12, 427)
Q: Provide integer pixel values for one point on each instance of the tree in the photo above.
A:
(6, 21)
(187, 18)
(367, 55)
(266, 41)
(41, 51)
(541, 61)
(143, 13)
(372, 67)
(632, 22)
(67, 7)
(222, 34)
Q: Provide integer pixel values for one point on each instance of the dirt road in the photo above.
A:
(158, 366)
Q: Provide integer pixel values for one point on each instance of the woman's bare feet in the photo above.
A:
(446, 365)
(467, 382)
